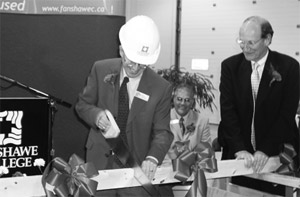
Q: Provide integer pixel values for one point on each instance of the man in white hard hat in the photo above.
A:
(147, 136)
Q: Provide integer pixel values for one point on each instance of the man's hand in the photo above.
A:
(149, 167)
(248, 157)
(260, 160)
(102, 121)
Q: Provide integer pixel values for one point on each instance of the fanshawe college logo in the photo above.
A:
(14, 136)
(14, 154)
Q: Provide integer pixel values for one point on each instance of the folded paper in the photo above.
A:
(113, 130)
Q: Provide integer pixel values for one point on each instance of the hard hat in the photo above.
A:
(139, 38)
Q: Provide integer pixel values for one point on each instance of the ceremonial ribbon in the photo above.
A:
(125, 159)
(178, 148)
(201, 159)
(72, 178)
(286, 158)
(124, 155)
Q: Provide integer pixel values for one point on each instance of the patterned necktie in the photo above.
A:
(123, 109)
(255, 85)
(181, 124)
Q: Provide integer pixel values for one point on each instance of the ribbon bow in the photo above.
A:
(286, 158)
(201, 159)
(71, 178)
(180, 147)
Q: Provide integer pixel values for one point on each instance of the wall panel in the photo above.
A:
(210, 28)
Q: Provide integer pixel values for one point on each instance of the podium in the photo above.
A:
(25, 134)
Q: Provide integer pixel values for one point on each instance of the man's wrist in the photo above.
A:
(239, 152)
(152, 159)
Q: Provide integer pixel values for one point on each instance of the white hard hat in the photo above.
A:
(139, 38)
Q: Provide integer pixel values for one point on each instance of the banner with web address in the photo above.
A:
(64, 7)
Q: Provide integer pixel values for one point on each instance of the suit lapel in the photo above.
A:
(245, 73)
(113, 91)
(264, 88)
(245, 81)
(138, 103)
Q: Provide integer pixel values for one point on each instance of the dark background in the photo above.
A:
(54, 54)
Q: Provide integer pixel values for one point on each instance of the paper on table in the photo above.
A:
(113, 130)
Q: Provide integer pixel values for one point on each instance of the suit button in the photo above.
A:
(109, 153)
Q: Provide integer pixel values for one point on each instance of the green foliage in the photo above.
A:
(203, 87)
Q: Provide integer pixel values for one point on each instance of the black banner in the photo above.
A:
(25, 135)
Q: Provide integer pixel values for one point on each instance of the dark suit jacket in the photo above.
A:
(275, 111)
(148, 129)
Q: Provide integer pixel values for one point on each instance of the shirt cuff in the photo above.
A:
(152, 159)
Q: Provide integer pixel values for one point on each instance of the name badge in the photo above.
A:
(175, 121)
(142, 96)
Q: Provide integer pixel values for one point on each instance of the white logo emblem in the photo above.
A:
(145, 49)
(15, 135)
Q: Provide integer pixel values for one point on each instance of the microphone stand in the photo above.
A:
(52, 101)
(37, 92)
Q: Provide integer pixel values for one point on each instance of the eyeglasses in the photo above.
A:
(250, 43)
(130, 63)
(185, 100)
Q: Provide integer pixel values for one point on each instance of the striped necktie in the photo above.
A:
(254, 84)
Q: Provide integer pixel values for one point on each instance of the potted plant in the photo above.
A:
(204, 95)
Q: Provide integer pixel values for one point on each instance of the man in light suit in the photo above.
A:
(148, 133)
(188, 125)
(255, 125)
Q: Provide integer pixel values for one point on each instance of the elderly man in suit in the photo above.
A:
(189, 126)
(259, 99)
(147, 136)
